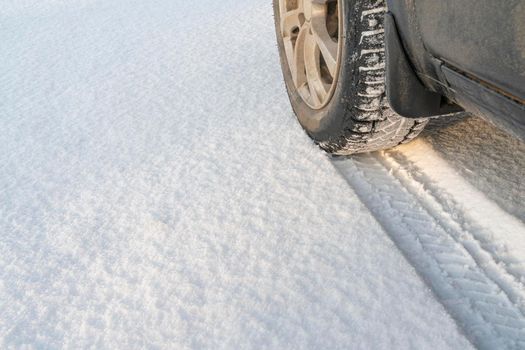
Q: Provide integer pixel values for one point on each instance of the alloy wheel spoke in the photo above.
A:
(291, 20)
(311, 47)
(313, 69)
(327, 46)
(298, 59)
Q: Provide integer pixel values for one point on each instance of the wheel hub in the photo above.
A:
(310, 30)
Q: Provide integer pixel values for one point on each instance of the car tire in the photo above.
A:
(355, 117)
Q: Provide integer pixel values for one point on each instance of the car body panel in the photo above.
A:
(471, 51)
(485, 38)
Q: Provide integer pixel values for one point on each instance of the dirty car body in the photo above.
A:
(451, 55)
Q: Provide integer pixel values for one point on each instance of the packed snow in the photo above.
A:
(158, 193)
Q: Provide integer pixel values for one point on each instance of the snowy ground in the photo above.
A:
(157, 193)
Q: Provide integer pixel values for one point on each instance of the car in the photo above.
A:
(366, 75)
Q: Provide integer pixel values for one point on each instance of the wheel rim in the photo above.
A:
(310, 30)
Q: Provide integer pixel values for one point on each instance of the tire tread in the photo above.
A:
(370, 123)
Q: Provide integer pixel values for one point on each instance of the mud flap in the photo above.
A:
(406, 94)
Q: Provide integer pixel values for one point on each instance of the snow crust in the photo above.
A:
(158, 193)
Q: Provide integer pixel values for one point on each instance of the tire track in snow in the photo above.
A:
(458, 254)
(493, 237)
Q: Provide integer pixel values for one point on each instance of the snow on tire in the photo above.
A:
(358, 117)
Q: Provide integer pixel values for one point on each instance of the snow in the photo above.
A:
(468, 249)
(158, 193)
(491, 161)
